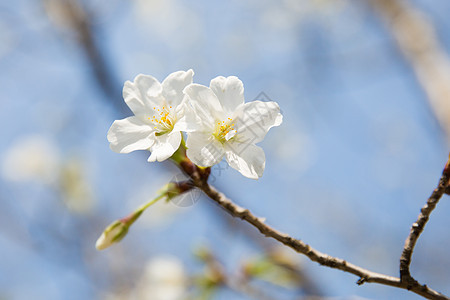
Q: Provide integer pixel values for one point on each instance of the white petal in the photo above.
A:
(165, 145)
(248, 159)
(142, 94)
(174, 84)
(254, 119)
(204, 103)
(130, 134)
(203, 149)
(229, 91)
(187, 120)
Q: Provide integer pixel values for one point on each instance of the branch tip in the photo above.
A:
(361, 281)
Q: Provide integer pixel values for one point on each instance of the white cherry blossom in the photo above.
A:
(229, 127)
(164, 278)
(160, 116)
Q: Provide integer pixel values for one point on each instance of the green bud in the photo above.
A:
(112, 234)
(119, 229)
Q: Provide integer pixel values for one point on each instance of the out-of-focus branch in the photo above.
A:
(73, 15)
(417, 40)
(217, 276)
(418, 227)
(199, 179)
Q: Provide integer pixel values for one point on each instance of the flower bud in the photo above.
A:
(112, 234)
(119, 229)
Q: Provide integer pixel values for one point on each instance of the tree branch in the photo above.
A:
(79, 21)
(417, 40)
(200, 177)
(418, 227)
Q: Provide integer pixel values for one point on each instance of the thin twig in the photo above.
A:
(199, 178)
(418, 227)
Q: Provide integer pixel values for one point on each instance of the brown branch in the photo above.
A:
(200, 177)
(418, 227)
(417, 40)
(78, 20)
(306, 284)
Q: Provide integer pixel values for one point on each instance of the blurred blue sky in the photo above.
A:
(356, 157)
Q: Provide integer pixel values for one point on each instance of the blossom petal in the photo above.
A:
(254, 119)
(248, 159)
(173, 85)
(205, 104)
(130, 134)
(142, 94)
(187, 120)
(203, 149)
(229, 91)
(165, 145)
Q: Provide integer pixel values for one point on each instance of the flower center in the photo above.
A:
(224, 130)
(162, 120)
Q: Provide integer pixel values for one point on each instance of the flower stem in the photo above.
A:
(138, 212)
(180, 155)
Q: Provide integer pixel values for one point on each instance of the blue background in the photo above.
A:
(356, 157)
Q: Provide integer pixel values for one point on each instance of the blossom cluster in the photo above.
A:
(216, 120)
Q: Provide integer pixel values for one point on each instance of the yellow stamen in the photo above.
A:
(223, 129)
(162, 119)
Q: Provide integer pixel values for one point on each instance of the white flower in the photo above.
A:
(164, 278)
(229, 127)
(32, 157)
(159, 116)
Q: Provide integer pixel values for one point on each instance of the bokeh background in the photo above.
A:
(363, 87)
